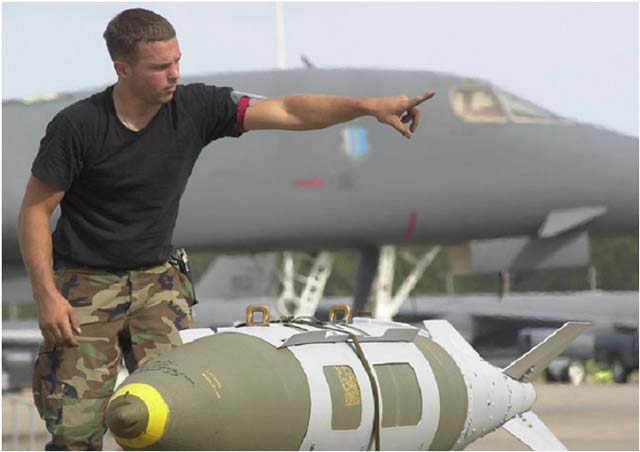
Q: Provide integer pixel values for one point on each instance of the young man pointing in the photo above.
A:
(117, 163)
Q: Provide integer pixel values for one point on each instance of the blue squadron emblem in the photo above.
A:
(355, 142)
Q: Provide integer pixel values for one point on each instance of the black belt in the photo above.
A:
(68, 263)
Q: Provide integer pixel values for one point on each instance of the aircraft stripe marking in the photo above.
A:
(413, 220)
(314, 182)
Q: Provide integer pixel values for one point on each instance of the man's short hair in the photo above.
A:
(132, 26)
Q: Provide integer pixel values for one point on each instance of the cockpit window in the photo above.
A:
(484, 103)
(521, 110)
(477, 104)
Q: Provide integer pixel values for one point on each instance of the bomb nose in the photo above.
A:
(137, 415)
(127, 416)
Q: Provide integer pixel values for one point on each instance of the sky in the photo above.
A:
(576, 60)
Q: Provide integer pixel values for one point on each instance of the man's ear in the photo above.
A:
(123, 69)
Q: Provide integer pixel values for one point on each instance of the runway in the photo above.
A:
(588, 417)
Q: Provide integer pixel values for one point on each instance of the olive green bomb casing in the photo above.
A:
(303, 385)
(222, 392)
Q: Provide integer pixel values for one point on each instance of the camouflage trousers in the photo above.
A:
(133, 315)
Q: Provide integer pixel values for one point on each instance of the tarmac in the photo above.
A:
(587, 417)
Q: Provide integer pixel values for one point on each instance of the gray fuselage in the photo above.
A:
(453, 181)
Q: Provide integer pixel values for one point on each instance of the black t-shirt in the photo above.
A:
(123, 188)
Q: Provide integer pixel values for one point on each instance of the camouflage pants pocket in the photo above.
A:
(71, 397)
(47, 407)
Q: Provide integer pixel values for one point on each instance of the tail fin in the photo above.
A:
(529, 429)
(532, 363)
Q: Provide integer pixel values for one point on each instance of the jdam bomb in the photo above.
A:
(353, 384)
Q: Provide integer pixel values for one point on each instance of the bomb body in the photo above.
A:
(305, 387)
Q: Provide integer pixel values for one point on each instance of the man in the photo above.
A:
(117, 163)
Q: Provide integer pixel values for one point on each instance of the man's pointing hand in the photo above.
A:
(397, 111)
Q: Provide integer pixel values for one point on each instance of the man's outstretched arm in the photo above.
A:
(313, 111)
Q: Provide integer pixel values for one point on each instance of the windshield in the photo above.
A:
(477, 104)
(522, 110)
(484, 103)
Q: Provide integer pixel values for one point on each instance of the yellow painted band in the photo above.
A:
(158, 414)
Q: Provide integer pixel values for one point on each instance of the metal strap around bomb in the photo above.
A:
(365, 363)
(312, 321)
(374, 387)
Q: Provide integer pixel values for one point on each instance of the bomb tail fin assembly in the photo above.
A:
(527, 427)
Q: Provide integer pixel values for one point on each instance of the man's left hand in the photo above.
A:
(397, 111)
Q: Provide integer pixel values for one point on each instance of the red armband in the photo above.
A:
(243, 104)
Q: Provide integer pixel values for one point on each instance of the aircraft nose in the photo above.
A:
(621, 157)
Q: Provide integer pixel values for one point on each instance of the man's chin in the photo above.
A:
(165, 97)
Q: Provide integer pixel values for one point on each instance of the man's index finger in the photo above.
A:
(418, 100)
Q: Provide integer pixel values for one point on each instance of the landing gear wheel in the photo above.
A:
(576, 373)
(549, 376)
(620, 374)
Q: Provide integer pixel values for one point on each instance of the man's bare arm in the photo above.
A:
(56, 317)
(312, 111)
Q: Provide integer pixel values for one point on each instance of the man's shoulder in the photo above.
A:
(200, 91)
(196, 87)
(86, 110)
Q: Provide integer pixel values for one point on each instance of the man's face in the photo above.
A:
(155, 73)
